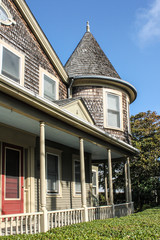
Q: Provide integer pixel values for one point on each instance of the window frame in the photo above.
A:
(57, 153)
(75, 159)
(41, 84)
(105, 106)
(95, 186)
(21, 62)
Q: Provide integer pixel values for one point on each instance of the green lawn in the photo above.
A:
(142, 225)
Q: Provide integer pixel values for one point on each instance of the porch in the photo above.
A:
(31, 223)
(24, 125)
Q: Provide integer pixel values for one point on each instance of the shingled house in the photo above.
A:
(56, 123)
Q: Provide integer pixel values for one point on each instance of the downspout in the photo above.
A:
(69, 88)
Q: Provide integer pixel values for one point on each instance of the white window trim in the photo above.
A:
(105, 107)
(57, 153)
(43, 72)
(22, 62)
(75, 158)
(10, 20)
(96, 181)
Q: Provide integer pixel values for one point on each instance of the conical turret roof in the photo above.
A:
(89, 59)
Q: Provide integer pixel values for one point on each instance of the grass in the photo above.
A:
(142, 225)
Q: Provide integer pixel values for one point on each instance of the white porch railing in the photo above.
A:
(66, 217)
(102, 212)
(20, 223)
(29, 223)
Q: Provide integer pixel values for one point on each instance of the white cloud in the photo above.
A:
(148, 23)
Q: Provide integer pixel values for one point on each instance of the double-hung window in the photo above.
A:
(77, 177)
(49, 88)
(52, 173)
(113, 110)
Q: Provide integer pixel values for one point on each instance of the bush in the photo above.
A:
(142, 225)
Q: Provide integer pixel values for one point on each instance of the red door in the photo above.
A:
(12, 179)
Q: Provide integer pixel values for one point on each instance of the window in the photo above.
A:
(113, 110)
(49, 88)
(10, 65)
(94, 183)
(52, 173)
(77, 177)
(48, 85)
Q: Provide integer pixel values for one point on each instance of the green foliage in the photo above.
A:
(142, 225)
(145, 169)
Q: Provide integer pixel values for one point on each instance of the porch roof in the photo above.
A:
(25, 109)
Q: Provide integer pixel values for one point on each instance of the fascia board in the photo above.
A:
(25, 95)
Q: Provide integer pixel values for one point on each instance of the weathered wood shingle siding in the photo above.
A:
(93, 98)
(22, 39)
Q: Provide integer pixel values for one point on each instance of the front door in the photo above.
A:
(12, 179)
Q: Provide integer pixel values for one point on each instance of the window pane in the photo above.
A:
(77, 177)
(52, 173)
(49, 88)
(11, 65)
(12, 173)
(93, 178)
(113, 119)
(113, 102)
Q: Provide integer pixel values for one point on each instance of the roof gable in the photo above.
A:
(89, 59)
(77, 107)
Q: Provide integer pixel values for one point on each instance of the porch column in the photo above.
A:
(106, 185)
(129, 181)
(110, 177)
(42, 177)
(83, 185)
(126, 182)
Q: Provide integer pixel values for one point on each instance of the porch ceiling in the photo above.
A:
(21, 122)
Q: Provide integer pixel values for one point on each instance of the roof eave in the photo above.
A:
(113, 81)
(53, 109)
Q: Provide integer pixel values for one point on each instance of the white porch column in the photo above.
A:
(42, 178)
(126, 182)
(83, 185)
(110, 177)
(129, 181)
(106, 185)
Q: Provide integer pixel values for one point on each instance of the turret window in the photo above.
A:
(112, 109)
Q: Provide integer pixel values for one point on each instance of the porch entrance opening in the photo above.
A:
(12, 179)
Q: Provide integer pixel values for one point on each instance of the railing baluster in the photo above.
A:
(35, 223)
(6, 227)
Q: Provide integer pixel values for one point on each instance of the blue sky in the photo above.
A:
(127, 31)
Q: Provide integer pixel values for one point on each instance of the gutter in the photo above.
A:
(19, 92)
(111, 80)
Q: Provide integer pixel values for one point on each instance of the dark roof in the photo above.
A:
(89, 59)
